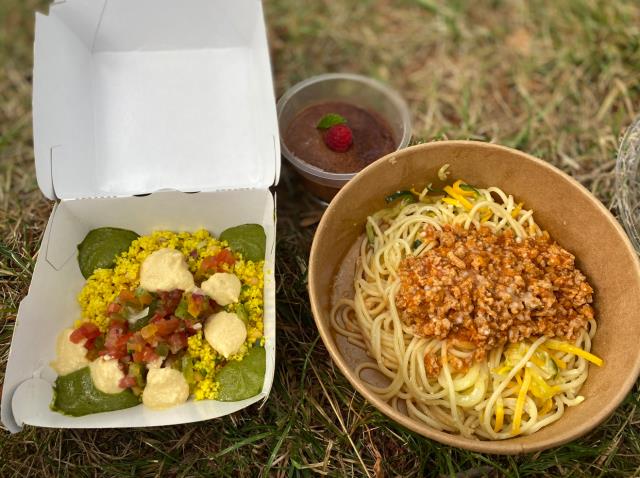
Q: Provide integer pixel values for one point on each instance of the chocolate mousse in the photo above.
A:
(372, 137)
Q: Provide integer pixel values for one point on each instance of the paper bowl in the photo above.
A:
(573, 217)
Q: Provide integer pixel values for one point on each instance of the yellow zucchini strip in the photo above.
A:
(559, 363)
(537, 361)
(547, 407)
(572, 349)
(460, 191)
(451, 201)
(517, 415)
(499, 415)
(518, 379)
(517, 210)
(461, 199)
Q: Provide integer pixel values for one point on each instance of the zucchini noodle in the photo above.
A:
(516, 389)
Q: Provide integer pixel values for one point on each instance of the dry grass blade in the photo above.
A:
(338, 414)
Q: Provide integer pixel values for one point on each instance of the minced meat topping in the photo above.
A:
(478, 289)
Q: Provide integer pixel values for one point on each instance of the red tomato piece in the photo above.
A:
(149, 355)
(177, 342)
(91, 331)
(77, 335)
(85, 331)
(167, 326)
(120, 324)
(89, 344)
(209, 263)
(127, 297)
(121, 342)
(225, 256)
(127, 382)
(169, 302)
(116, 339)
(189, 326)
(212, 264)
(114, 308)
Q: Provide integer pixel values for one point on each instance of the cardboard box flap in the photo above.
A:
(131, 97)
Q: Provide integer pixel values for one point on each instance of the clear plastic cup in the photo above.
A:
(358, 90)
(628, 182)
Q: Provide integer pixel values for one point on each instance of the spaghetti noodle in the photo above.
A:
(507, 385)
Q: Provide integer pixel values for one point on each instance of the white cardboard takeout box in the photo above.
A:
(131, 97)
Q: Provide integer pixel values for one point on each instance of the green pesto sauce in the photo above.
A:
(75, 395)
(101, 247)
(244, 379)
(247, 239)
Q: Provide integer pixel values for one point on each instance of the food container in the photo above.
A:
(573, 217)
(628, 182)
(158, 98)
(355, 89)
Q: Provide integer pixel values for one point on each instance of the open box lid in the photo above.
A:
(135, 96)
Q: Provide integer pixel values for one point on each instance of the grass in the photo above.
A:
(559, 80)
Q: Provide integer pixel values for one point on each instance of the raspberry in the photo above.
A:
(338, 138)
